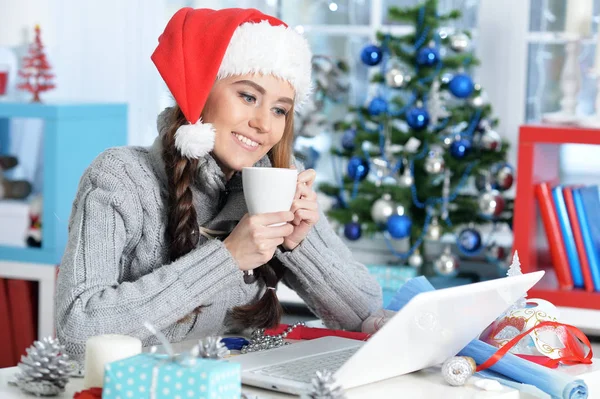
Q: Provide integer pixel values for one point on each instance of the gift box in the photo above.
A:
(160, 377)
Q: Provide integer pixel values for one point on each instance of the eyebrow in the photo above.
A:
(262, 90)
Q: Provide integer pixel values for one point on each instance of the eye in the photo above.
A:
(280, 111)
(248, 98)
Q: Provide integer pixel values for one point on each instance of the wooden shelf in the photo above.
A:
(539, 161)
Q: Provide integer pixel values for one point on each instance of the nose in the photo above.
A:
(261, 120)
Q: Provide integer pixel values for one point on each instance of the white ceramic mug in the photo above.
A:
(269, 190)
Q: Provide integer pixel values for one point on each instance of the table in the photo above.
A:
(424, 384)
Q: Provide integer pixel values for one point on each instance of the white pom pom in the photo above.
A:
(195, 141)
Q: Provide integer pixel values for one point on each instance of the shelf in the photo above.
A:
(539, 161)
(31, 255)
(73, 135)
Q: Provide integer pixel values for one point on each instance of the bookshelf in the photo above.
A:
(538, 161)
(73, 135)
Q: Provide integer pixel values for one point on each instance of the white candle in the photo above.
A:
(104, 349)
(579, 17)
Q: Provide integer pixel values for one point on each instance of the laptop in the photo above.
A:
(431, 328)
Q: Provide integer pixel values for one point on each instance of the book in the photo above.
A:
(558, 254)
(588, 283)
(567, 236)
(587, 203)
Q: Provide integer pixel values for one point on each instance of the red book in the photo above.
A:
(21, 299)
(543, 192)
(588, 283)
(7, 358)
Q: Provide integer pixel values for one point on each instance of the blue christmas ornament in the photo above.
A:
(358, 168)
(352, 231)
(371, 55)
(399, 226)
(460, 148)
(461, 85)
(469, 240)
(417, 118)
(348, 140)
(428, 56)
(378, 105)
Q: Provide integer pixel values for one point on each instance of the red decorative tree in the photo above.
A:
(35, 71)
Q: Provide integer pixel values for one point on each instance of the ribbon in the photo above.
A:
(183, 359)
(570, 334)
(303, 332)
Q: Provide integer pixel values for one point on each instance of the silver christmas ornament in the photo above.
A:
(434, 231)
(406, 179)
(210, 348)
(259, 341)
(446, 77)
(385, 207)
(434, 163)
(491, 204)
(324, 386)
(415, 259)
(490, 140)
(46, 369)
(477, 101)
(446, 264)
(458, 370)
(397, 76)
(459, 42)
(503, 177)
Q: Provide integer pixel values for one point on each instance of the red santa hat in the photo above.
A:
(200, 46)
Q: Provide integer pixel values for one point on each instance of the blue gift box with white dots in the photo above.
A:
(138, 376)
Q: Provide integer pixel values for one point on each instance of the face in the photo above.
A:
(248, 113)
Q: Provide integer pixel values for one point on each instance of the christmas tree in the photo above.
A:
(423, 156)
(35, 71)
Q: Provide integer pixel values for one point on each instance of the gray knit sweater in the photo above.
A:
(115, 273)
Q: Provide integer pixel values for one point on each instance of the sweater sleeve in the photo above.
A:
(338, 289)
(94, 297)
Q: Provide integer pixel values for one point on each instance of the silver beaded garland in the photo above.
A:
(259, 341)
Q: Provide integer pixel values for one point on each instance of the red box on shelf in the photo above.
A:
(538, 161)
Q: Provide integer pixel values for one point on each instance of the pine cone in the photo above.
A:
(325, 387)
(45, 370)
(211, 348)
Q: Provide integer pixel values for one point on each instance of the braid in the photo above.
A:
(182, 225)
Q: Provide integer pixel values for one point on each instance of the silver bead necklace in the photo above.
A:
(259, 341)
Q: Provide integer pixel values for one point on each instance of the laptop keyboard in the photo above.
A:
(304, 369)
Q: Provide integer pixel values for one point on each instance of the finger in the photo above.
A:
(304, 204)
(307, 177)
(306, 192)
(266, 219)
(309, 217)
(270, 232)
(293, 166)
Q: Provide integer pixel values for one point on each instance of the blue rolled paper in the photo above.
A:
(553, 382)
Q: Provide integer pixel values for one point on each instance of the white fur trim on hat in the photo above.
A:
(275, 50)
(195, 141)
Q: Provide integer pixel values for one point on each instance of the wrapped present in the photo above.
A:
(155, 376)
(170, 375)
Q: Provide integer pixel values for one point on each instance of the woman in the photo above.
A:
(161, 234)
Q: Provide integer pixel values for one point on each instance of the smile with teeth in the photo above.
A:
(245, 140)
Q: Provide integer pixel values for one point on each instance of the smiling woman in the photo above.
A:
(162, 234)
